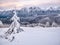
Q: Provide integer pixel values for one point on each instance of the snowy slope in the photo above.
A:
(34, 36)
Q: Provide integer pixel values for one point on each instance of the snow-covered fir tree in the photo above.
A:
(47, 24)
(54, 24)
(13, 29)
(1, 22)
(15, 26)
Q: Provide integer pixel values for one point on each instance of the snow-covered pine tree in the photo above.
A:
(1, 22)
(13, 29)
(47, 24)
(54, 24)
(15, 26)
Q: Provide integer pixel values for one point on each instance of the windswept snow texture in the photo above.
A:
(34, 36)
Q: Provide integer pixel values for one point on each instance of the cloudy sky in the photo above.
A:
(21, 3)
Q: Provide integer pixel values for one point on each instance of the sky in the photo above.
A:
(21, 3)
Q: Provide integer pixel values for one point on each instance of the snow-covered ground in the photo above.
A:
(34, 36)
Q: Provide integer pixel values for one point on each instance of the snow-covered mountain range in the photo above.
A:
(34, 15)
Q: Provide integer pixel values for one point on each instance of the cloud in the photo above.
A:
(20, 3)
(2, 1)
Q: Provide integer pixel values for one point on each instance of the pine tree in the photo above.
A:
(1, 22)
(13, 29)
